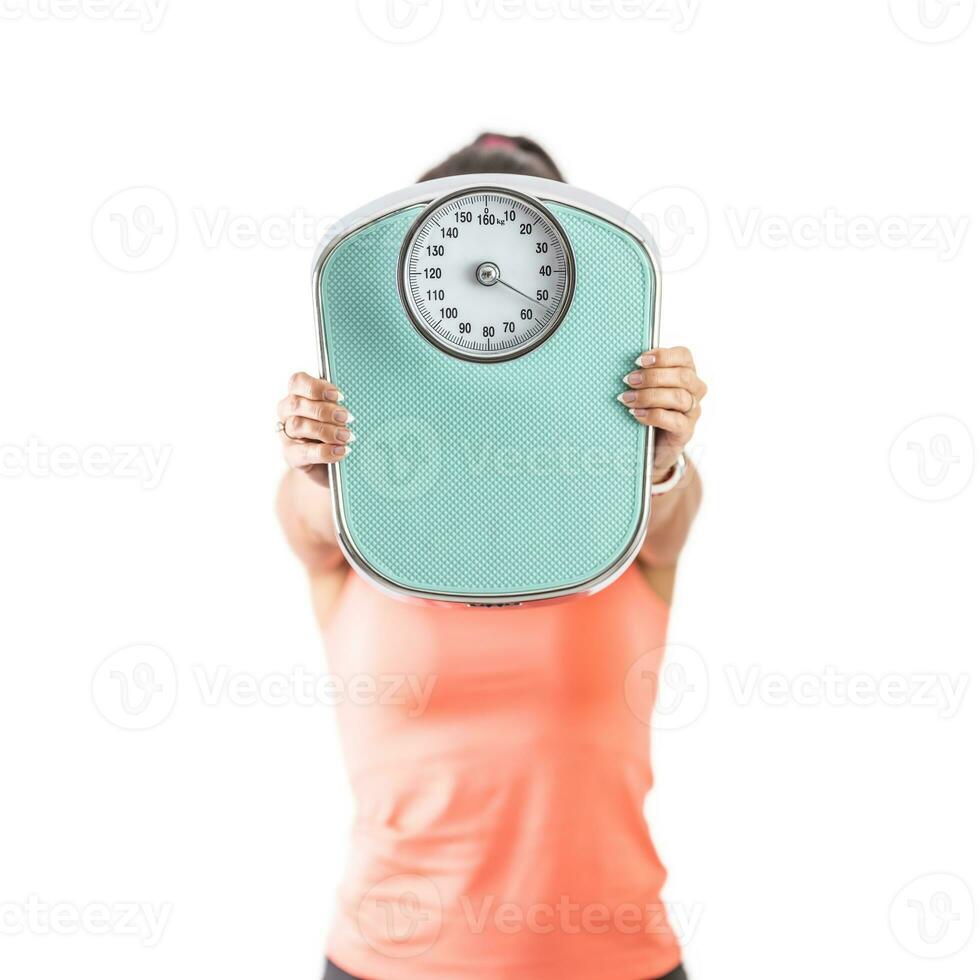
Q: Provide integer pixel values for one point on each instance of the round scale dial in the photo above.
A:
(486, 274)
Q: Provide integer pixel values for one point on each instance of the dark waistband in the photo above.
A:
(334, 972)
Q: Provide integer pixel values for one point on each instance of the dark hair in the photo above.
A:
(494, 153)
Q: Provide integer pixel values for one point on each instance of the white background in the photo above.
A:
(796, 827)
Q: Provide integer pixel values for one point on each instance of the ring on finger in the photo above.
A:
(281, 428)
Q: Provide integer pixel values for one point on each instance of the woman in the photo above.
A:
(500, 783)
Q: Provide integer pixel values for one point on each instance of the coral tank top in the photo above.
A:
(499, 760)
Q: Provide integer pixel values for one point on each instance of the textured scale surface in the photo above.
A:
(489, 479)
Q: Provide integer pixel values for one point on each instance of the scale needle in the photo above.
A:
(519, 293)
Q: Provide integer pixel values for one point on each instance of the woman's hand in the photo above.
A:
(315, 426)
(666, 392)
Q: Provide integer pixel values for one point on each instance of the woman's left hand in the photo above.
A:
(666, 392)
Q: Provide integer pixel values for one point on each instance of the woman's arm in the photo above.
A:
(316, 432)
(666, 392)
(304, 513)
(671, 517)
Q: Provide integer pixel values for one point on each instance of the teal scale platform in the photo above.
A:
(483, 482)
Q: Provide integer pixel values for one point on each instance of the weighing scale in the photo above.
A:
(479, 328)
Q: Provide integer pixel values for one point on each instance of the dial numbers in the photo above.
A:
(486, 274)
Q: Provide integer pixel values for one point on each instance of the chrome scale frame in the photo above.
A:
(542, 192)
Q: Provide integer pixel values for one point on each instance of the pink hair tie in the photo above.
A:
(504, 142)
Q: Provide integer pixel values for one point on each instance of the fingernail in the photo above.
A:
(341, 415)
(340, 450)
(645, 360)
(334, 396)
(627, 397)
(633, 379)
(640, 413)
(345, 435)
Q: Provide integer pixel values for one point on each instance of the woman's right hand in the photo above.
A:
(316, 426)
